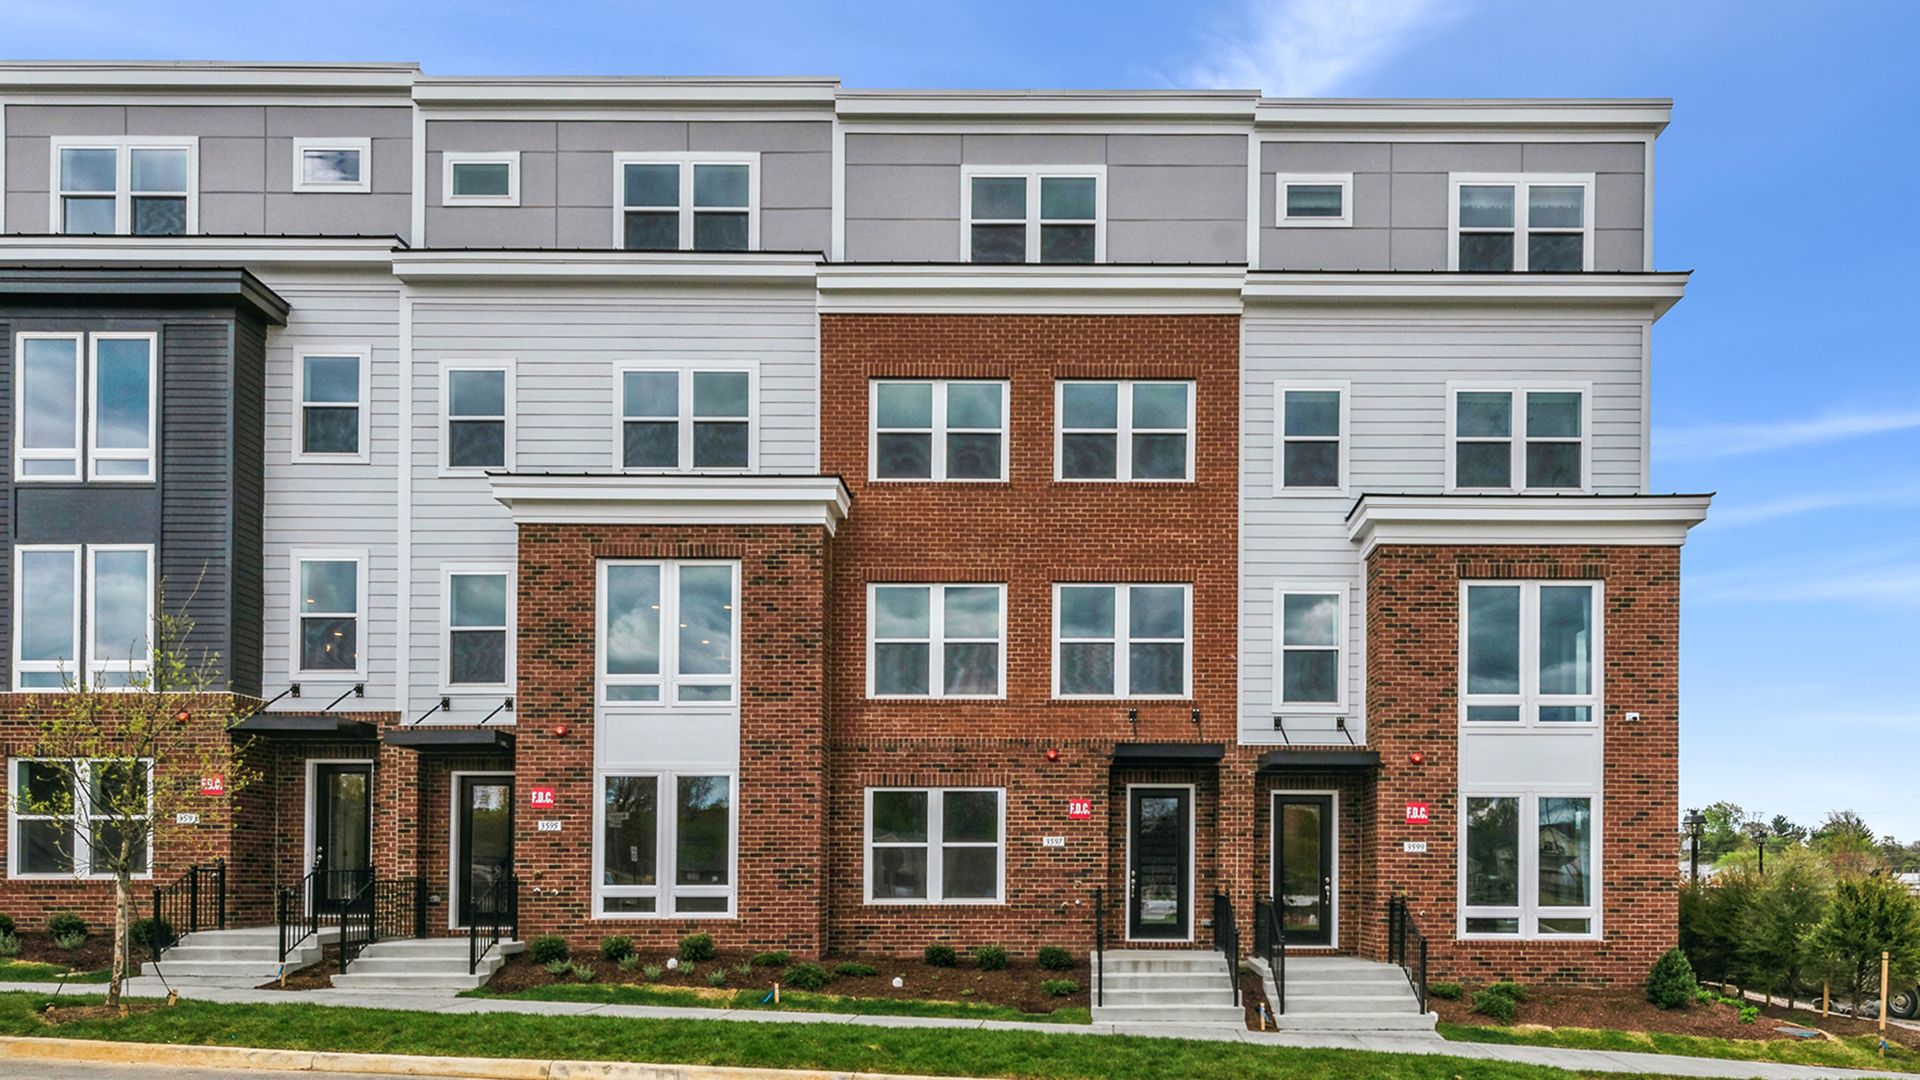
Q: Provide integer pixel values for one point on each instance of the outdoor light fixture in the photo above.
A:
(1695, 821)
(1133, 716)
(1053, 754)
(1195, 717)
(560, 730)
(1416, 758)
(182, 716)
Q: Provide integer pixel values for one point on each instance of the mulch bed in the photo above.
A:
(95, 955)
(315, 976)
(1629, 1010)
(73, 1013)
(1253, 995)
(1018, 986)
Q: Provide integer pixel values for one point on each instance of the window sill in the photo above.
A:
(933, 904)
(922, 481)
(1069, 481)
(933, 699)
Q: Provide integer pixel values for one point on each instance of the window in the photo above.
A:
(666, 828)
(682, 420)
(679, 202)
(117, 597)
(1125, 430)
(479, 640)
(333, 412)
(118, 383)
(1530, 652)
(120, 596)
(337, 165)
(49, 407)
(120, 428)
(1313, 425)
(1311, 639)
(46, 617)
(936, 640)
(1544, 448)
(1542, 224)
(691, 665)
(67, 816)
(137, 187)
(939, 430)
(1314, 200)
(933, 845)
(1045, 215)
(1122, 641)
(330, 604)
(478, 404)
(1528, 870)
(476, 178)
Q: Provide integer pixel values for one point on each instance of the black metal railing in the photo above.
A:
(196, 900)
(1099, 946)
(1226, 937)
(1407, 946)
(1270, 943)
(385, 908)
(495, 917)
(323, 898)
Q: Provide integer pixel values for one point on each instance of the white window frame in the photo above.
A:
(363, 147)
(82, 852)
(1033, 174)
(669, 680)
(447, 370)
(666, 851)
(935, 844)
(1341, 591)
(685, 209)
(300, 403)
(685, 418)
(447, 573)
(1518, 437)
(362, 629)
(1281, 437)
(937, 466)
(1282, 181)
(936, 639)
(1530, 699)
(1123, 433)
(1530, 911)
(82, 383)
(138, 668)
(123, 192)
(1520, 183)
(1122, 608)
(79, 623)
(451, 158)
(94, 453)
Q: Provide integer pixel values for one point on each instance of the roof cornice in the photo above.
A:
(1231, 106)
(619, 499)
(161, 285)
(206, 77)
(960, 288)
(1648, 293)
(364, 252)
(588, 91)
(531, 266)
(1638, 115)
(1438, 520)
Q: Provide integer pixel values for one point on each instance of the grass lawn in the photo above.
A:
(1850, 1051)
(33, 971)
(945, 1052)
(790, 1001)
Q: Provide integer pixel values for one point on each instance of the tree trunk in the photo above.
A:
(122, 903)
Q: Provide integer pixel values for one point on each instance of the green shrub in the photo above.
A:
(744, 969)
(1491, 1003)
(9, 945)
(1749, 1013)
(1448, 990)
(559, 968)
(1054, 958)
(1671, 984)
(547, 948)
(689, 970)
(940, 956)
(652, 972)
(696, 947)
(141, 932)
(6, 925)
(628, 962)
(805, 976)
(777, 958)
(1059, 987)
(70, 942)
(616, 948)
(990, 958)
(854, 967)
(584, 972)
(717, 977)
(1705, 996)
(66, 924)
(1512, 989)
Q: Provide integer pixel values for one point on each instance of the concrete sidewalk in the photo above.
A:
(1603, 1061)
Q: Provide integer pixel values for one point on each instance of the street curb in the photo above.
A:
(31, 1048)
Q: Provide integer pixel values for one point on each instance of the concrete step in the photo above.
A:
(1305, 1004)
(1169, 998)
(1388, 977)
(1199, 1015)
(435, 947)
(410, 981)
(1165, 962)
(1168, 980)
(401, 965)
(1351, 1023)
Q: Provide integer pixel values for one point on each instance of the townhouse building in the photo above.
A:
(844, 520)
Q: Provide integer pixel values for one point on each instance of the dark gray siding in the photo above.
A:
(6, 505)
(248, 493)
(195, 558)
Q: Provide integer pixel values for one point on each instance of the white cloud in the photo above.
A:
(1308, 48)
(1729, 440)
(1790, 505)
(1892, 582)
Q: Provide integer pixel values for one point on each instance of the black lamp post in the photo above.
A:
(1695, 822)
(1759, 834)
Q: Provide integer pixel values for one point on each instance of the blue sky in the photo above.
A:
(1786, 381)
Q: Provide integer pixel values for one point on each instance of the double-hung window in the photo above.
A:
(1518, 440)
(46, 617)
(935, 845)
(1311, 647)
(938, 430)
(1313, 200)
(137, 186)
(66, 598)
(1039, 215)
(689, 202)
(1124, 430)
(478, 645)
(1116, 641)
(936, 640)
(121, 423)
(477, 400)
(49, 407)
(333, 407)
(1539, 223)
(665, 845)
(1530, 652)
(692, 661)
(120, 595)
(481, 178)
(329, 617)
(71, 818)
(101, 384)
(332, 165)
(1529, 865)
(680, 420)
(1313, 428)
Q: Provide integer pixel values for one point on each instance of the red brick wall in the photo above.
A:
(1413, 704)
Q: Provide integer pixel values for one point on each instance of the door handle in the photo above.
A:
(1326, 889)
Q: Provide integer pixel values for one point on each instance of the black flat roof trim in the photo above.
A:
(96, 283)
(449, 739)
(1186, 753)
(306, 725)
(1319, 760)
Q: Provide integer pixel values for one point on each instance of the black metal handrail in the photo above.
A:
(321, 899)
(1270, 941)
(1099, 946)
(1407, 946)
(1226, 937)
(196, 900)
(356, 924)
(495, 914)
(385, 908)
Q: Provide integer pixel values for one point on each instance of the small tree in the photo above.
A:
(1775, 929)
(1711, 912)
(123, 750)
(1670, 984)
(1869, 914)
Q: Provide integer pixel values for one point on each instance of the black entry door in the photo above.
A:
(1160, 863)
(485, 851)
(342, 833)
(1303, 867)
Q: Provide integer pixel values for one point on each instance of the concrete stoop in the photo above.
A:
(1346, 995)
(246, 956)
(1188, 987)
(422, 964)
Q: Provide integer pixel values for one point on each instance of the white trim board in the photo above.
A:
(1630, 520)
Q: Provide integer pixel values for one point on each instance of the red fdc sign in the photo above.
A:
(213, 785)
(1079, 808)
(1417, 813)
(541, 797)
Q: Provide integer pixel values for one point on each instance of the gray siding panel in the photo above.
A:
(248, 495)
(6, 505)
(196, 460)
